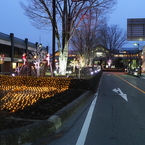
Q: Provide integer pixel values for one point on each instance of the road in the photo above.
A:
(114, 116)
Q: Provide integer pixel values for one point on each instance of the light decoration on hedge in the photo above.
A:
(17, 97)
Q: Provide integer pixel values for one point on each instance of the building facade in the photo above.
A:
(12, 48)
(136, 29)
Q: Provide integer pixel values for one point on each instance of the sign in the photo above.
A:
(136, 29)
(119, 92)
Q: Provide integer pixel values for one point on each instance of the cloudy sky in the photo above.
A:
(14, 21)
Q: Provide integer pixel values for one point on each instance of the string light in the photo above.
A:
(17, 96)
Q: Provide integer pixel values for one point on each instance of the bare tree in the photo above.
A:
(112, 38)
(37, 58)
(78, 63)
(67, 19)
(85, 38)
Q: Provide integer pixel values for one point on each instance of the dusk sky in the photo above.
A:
(14, 21)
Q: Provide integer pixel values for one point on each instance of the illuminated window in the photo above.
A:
(13, 65)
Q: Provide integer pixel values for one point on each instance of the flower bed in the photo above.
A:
(32, 98)
(36, 98)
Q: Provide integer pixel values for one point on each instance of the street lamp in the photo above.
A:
(137, 44)
(53, 35)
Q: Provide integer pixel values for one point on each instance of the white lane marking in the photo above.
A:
(118, 90)
(82, 137)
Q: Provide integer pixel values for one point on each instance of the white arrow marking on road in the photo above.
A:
(118, 90)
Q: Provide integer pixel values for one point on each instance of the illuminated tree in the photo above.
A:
(67, 19)
(85, 38)
(74, 64)
(78, 63)
(37, 58)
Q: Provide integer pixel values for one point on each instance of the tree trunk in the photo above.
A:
(38, 70)
(63, 59)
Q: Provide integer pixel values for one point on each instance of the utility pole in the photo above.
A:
(53, 35)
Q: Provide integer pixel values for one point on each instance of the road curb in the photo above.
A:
(34, 131)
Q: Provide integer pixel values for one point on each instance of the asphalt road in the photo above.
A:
(115, 115)
(118, 120)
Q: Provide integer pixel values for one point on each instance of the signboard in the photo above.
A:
(136, 29)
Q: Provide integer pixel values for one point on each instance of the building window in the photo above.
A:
(6, 50)
(18, 52)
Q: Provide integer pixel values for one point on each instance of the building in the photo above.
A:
(130, 58)
(136, 29)
(136, 32)
(13, 48)
(124, 58)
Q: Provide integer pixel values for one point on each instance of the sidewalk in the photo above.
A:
(136, 74)
(142, 75)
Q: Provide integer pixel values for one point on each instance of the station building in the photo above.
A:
(124, 58)
(13, 48)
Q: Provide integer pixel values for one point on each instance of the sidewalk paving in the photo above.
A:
(142, 75)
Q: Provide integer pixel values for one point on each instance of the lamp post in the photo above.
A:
(53, 35)
(138, 46)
